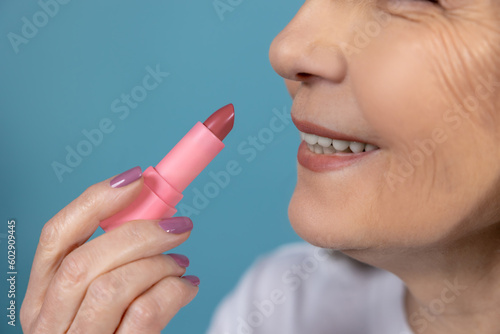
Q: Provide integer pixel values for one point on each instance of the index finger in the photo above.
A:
(73, 226)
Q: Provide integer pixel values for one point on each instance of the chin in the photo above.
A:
(327, 219)
(329, 211)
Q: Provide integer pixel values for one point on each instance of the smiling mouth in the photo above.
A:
(324, 150)
(324, 145)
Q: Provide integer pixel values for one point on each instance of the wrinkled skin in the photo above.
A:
(421, 81)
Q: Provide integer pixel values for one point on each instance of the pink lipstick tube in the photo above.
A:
(164, 184)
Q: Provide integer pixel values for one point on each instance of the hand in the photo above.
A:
(119, 282)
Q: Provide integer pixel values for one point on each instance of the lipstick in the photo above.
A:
(164, 184)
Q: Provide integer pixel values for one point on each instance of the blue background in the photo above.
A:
(64, 80)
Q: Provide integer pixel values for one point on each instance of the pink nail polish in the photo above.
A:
(192, 279)
(181, 260)
(126, 178)
(176, 225)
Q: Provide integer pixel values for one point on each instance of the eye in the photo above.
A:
(434, 2)
(402, 5)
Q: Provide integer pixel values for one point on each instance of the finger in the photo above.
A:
(109, 295)
(129, 242)
(71, 227)
(154, 309)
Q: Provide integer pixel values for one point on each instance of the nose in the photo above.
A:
(308, 47)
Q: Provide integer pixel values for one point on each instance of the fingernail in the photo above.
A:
(176, 225)
(181, 260)
(192, 279)
(126, 177)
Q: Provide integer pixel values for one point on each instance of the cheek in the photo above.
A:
(393, 86)
(407, 86)
(429, 100)
(421, 96)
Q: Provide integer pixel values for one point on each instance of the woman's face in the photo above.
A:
(420, 81)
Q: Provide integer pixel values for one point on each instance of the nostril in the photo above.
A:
(302, 75)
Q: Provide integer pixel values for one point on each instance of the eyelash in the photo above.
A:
(434, 2)
(413, 4)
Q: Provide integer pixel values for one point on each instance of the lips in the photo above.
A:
(323, 149)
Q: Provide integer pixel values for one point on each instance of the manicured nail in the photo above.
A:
(126, 177)
(181, 260)
(176, 225)
(192, 279)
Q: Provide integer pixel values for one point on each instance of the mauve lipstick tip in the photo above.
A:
(221, 122)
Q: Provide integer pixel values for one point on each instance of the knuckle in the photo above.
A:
(143, 313)
(72, 272)
(76, 330)
(137, 231)
(88, 199)
(104, 290)
(53, 229)
(89, 314)
(40, 326)
(51, 232)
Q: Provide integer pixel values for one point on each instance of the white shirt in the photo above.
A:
(301, 289)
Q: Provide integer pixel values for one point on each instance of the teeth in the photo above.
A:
(310, 139)
(356, 147)
(323, 145)
(325, 142)
(370, 147)
(329, 150)
(340, 145)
